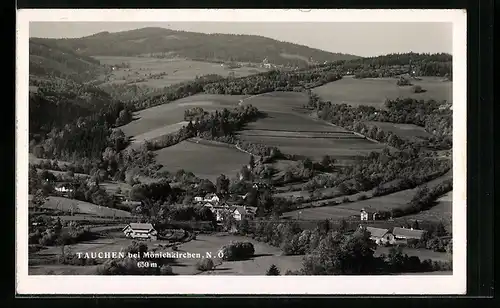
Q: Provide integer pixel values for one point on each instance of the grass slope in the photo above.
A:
(375, 91)
(204, 159)
(81, 207)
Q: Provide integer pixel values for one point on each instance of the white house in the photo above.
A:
(212, 198)
(64, 188)
(140, 231)
(364, 215)
(244, 211)
(198, 199)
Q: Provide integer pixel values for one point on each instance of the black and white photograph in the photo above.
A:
(214, 146)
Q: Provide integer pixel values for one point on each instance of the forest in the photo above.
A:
(222, 47)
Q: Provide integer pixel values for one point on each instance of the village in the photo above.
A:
(229, 214)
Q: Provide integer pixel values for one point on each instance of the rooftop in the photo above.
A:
(141, 226)
(377, 232)
(408, 233)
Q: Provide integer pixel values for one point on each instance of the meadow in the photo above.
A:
(321, 209)
(205, 159)
(265, 255)
(164, 119)
(142, 70)
(375, 91)
(442, 211)
(410, 132)
(81, 207)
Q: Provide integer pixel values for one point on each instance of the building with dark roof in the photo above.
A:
(406, 234)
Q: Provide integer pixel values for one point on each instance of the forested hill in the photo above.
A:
(48, 59)
(57, 102)
(198, 46)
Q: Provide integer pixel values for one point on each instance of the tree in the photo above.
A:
(39, 198)
(251, 163)
(273, 271)
(415, 225)
(222, 184)
(325, 161)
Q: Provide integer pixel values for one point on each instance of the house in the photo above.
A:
(242, 211)
(140, 231)
(364, 215)
(198, 199)
(212, 198)
(406, 234)
(381, 236)
(131, 204)
(64, 188)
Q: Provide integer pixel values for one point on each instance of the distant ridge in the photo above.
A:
(198, 46)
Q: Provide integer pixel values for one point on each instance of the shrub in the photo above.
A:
(166, 270)
(125, 267)
(205, 265)
(346, 200)
(417, 89)
(72, 259)
(273, 271)
(237, 251)
(362, 197)
(403, 82)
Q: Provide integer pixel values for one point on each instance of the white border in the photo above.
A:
(450, 284)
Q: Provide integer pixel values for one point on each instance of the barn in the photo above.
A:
(140, 231)
(406, 234)
(381, 236)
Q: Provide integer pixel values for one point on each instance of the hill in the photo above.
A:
(197, 46)
(49, 59)
(54, 102)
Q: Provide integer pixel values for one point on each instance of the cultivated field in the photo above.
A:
(167, 118)
(175, 70)
(374, 91)
(205, 159)
(81, 207)
(406, 131)
(294, 132)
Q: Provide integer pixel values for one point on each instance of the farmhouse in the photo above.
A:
(405, 234)
(243, 211)
(364, 215)
(381, 236)
(140, 231)
(131, 203)
(64, 188)
(212, 198)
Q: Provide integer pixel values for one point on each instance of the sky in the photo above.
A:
(357, 38)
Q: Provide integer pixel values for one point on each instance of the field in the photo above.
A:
(386, 202)
(441, 211)
(81, 207)
(406, 131)
(294, 132)
(164, 119)
(205, 159)
(265, 255)
(423, 254)
(175, 70)
(374, 91)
